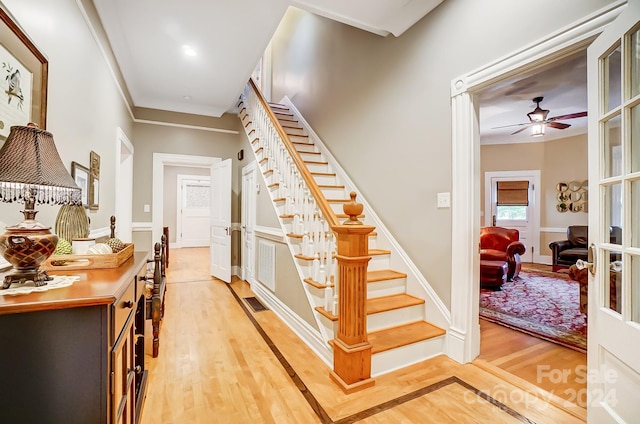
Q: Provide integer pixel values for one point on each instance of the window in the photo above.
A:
(512, 200)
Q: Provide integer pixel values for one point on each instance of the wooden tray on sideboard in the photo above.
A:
(75, 262)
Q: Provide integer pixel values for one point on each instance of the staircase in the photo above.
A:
(405, 320)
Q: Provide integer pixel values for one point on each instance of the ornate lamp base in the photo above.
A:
(39, 277)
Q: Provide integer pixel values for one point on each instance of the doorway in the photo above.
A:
(521, 213)
(192, 210)
(464, 334)
(123, 209)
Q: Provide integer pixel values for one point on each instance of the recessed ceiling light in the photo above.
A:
(186, 97)
(189, 51)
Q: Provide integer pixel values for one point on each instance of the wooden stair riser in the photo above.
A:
(395, 317)
(390, 360)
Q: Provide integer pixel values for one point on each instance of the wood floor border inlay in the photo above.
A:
(313, 402)
(326, 419)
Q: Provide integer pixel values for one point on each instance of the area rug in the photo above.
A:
(545, 305)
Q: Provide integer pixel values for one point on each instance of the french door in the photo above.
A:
(613, 360)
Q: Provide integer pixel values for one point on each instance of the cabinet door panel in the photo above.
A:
(123, 375)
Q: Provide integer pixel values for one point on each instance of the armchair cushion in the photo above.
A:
(502, 244)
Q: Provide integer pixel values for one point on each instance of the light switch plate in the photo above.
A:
(444, 200)
(147, 208)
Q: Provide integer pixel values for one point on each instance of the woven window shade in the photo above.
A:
(513, 193)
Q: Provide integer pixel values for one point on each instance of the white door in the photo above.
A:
(221, 220)
(194, 203)
(524, 217)
(613, 360)
(124, 181)
(248, 221)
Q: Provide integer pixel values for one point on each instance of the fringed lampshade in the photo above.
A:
(31, 172)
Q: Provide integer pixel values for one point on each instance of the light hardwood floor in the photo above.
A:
(554, 368)
(220, 362)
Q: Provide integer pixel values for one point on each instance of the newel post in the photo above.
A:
(351, 348)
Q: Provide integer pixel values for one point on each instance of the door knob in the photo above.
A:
(590, 263)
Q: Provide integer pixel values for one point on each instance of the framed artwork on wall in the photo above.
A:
(80, 175)
(94, 181)
(23, 78)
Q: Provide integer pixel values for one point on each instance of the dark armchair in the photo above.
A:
(567, 252)
(502, 244)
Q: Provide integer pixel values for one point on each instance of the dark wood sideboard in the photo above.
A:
(76, 354)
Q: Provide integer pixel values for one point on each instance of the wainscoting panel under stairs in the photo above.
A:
(405, 320)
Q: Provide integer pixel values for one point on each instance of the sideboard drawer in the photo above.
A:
(121, 309)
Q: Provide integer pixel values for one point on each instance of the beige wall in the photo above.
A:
(383, 105)
(84, 104)
(562, 160)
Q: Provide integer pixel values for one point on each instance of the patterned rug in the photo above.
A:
(545, 305)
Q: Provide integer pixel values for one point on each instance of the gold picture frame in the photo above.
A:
(23, 81)
(94, 181)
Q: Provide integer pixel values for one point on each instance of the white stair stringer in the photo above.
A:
(327, 172)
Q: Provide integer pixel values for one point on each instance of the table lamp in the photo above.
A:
(31, 172)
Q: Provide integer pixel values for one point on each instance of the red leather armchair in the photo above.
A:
(502, 244)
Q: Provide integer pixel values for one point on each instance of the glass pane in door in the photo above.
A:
(612, 67)
(612, 147)
(634, 62)
(613, 206)
(613, 284)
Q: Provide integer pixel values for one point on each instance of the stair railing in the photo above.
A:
(314, 220)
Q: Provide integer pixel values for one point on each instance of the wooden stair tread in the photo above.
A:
(384, 275)
(389, 303)
(373, 252)
(316, 162)
(321, 186)
(402, 335)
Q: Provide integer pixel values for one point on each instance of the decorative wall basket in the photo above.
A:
(573, 196)
(72, 222)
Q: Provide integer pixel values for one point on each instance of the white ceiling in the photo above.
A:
(563, 84)
(149, 38)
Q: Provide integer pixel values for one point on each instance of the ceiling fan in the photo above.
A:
(538, 120)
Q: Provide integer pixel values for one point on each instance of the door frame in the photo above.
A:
(180, 179)
(249, 199)
(464, 332)
(533, 175)
(160, 160)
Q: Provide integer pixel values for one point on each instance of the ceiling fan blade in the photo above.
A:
(520, 130)
(512, 125)
(569, 116)
(558, 125)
